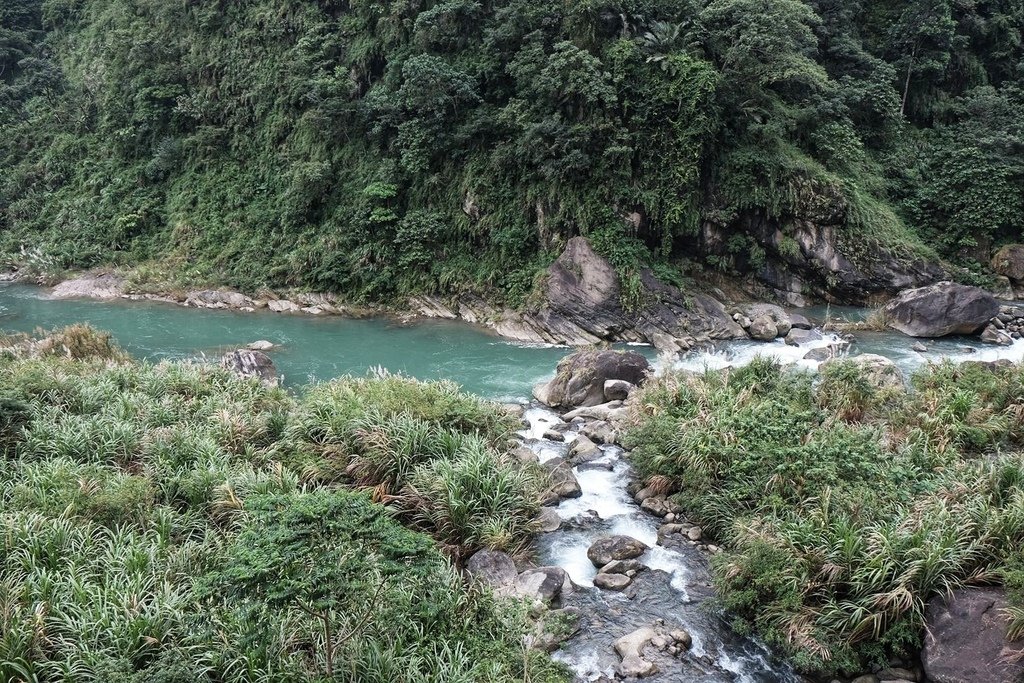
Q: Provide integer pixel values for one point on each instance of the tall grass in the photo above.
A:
(844, 506)
(123, 485)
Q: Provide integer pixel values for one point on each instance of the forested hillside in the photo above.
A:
(380, 148)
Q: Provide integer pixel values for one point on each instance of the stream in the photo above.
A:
(676, 589)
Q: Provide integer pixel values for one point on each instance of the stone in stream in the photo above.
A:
(612, 411)
(941, 309)
(620, 547)
(583, 450)
(682, 638)
(800, 322)
(797, 336)
(580, 378)
(494, 569)
(250, 364)
(919, 347)
(993, 335)
(763, 328)
(525, 455)
(261, 345)
(823, 353)
(612, 582)
(630, 648)
(600, 431)
(552, 435)
(656, 505)
(778, 318)
(563, 481)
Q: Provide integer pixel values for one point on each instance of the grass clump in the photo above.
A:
(175, 523)
(845, 503)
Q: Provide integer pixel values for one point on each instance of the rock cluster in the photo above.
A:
(1005, 327)
(635, 649)
(249, 363)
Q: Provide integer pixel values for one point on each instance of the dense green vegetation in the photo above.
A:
(174, 523)
(377, 148)
(844, 506)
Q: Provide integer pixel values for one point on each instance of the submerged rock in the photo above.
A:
(940, 310)
(247, 363)
(965, 639)
(581, 377)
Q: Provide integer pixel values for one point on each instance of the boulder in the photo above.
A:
(612, 582)
(604, 550)
(941, 309)
(548, 520)
(1009, 261)
(106, 286)
(563, 481)
(613, 411)
(763, 328)
(879, 371)
(630, 648)
(617, 389)
(217, 298)
(919, 347)
(600, 431)
(261, 345)
(494, 569)
(543, 583)
(965, 639)
(583, 450)
(623, 567)
(246, 363)
(800, 321)
(824, 353)
(775, 313)
(283, 306)
(580, 377)
(798, 336)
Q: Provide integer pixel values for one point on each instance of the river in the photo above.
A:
(325, 347)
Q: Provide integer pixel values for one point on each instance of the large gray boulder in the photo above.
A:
(494, 569)
(580, 377)
(103, 286)
(941, 309)
(563, 482)
(965, 639)
(546, 584)
(248, 363)
(604, 550)
(1009, 261)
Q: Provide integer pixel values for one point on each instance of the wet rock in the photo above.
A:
(824, 353)
(254, 364)
(261, 345)
(919, 347)
(612, 582)
(993, 335)
(105, 286)
(605, 465)
(494, 569)
(622, 567)
(580, 377)
(879, 371)
(604, 550)
(552, 435)
(547, 520)
(543, 583)
(965, 638)
(617, 389)
(613, 412)
(630, 648)
(763, 328)
(941, 309)
(682, 638)
(563, 481)
(797, 336)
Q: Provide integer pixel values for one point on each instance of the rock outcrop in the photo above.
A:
(941, 309)
(803, 256)
(582, 303)
(1009, 262)
(581, 377)
(965, 639)
(248, 363)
